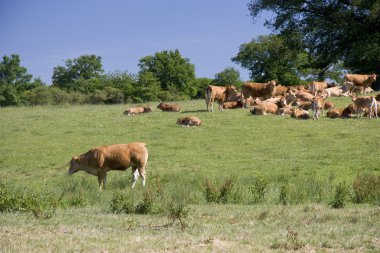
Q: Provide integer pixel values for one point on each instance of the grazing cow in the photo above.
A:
(362, 81)
(220, 94)
(315, 87)
(137, 110)
(365, 102)
(189, 121)
(264, 90)
(168, 107)
(300, 114)
(317, 105)
(99, 160)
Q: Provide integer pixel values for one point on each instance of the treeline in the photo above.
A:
(166, 76)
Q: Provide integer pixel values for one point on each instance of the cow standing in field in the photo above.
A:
(168, 107)
(361, 81)
(99, 160)
(220, 94)
(315, 87)
(255, 90)
(317, 105)
(137, 110)
(365, 102)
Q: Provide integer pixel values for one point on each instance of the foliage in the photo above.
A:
(269, 58)
(85, 67)
(171, 70)
(229, 76)
(331, 31)
(340, 196)
(222, 194)
(367, 188)
(258, 188)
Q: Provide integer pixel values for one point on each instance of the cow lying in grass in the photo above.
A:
(168, 107)
(137, 110)
(99, 160)
(189, 121)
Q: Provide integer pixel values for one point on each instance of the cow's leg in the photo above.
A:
(142, 174)
(135, 175)
(102, 177)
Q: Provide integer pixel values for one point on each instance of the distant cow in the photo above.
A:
(281, 90)
(317, 105)
(361, 81)
(315, 87)
(264, 90)
(220, 94)
(189, 121)
(137, 110)
(168, 107)
(263, 108)
(365, 102)
(300, 114)
(332, 92)
(334, 113)
(99, 160)
(233, 105)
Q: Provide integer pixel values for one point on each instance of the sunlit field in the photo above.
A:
(237, 183)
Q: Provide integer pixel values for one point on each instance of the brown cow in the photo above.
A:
(137, 110)
(365, 102)
(300, 114)
(348, 111)
(263, 108)
(234, 105)
(168, 107)
(281, 90)
(334, 113)
(99, 160)
(315, 87)
(362, 81)
(264, 90)
(220, 94)
(189, 121)
(377, 97)
(317, 105)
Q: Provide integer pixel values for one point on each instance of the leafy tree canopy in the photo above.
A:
(11, 73)
(330, 31)
(85, 67)
(229, 76)
(170, 68)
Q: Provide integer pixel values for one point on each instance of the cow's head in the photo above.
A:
(74, 166)
(230, 92)
(373, 77)
(179, 121)
(147, 109)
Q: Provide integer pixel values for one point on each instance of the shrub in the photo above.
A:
(221, 195)
(178, 210)
(122, 202)
(258, 189)
(340, 195)
(211, 192)
(367, 189)
(283, 199)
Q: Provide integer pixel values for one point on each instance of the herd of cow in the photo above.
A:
(266, 98)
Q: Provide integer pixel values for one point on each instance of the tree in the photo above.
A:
(14, 80)
(85, 67)
(227, 77)
(330, 31)
(269, 58)
(172, 70)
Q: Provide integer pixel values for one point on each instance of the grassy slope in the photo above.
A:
(37, 143)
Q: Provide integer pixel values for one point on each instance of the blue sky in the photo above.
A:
(46, 32)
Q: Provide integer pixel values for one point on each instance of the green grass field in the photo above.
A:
(247, 183)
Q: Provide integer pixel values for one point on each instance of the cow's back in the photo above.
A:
(122, 156)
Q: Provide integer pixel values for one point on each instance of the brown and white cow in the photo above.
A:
(317, 105)
(361, 81)
(189, 121)
(365, 102)
(137, 110)
(219, 94)
(168, 107)
(99, 160)
(255, 90)
(332, 92)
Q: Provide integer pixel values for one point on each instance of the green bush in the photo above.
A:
(258, 188)
(340, 196)
(223, 194)
(367, 189)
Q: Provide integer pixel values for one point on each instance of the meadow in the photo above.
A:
(237, 183)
